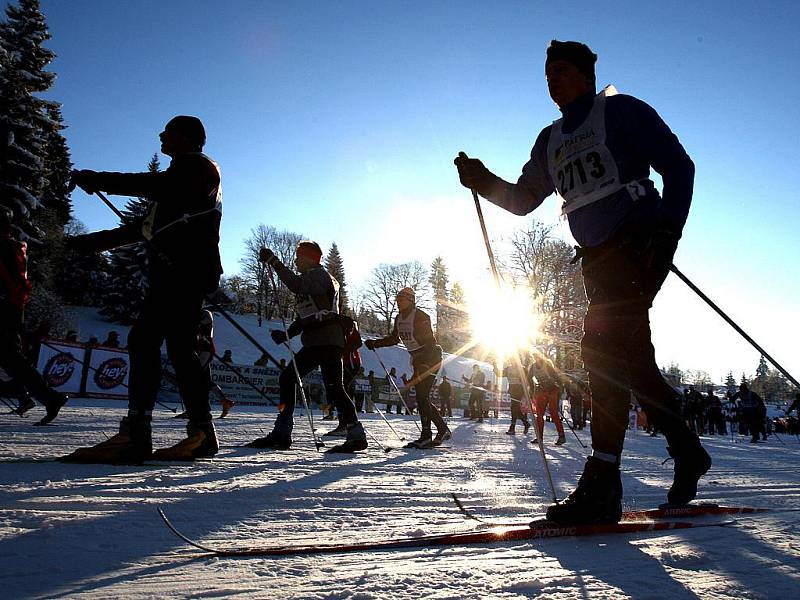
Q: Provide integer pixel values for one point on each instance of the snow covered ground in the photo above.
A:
(92, 531)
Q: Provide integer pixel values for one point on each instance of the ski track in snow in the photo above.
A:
(92, 531)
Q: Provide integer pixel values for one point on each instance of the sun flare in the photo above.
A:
(503, 321)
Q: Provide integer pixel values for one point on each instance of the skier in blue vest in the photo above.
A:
(597, 158)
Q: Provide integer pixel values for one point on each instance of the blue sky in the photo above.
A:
(340, 120)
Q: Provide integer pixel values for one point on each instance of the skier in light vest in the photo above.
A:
(597, 158)
(412, 326)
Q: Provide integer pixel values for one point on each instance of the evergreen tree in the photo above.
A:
(127, 281)
(730, 381)
(82, 277)
(457, 334)
(34, 179)
(335, 266)
(762, 370)
(439, 279)
(24, 58)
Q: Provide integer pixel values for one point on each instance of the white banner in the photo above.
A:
(108, 373)
(240, 387)
(58, 363)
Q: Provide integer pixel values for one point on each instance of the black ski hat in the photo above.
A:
(191, 127)
(574, 53)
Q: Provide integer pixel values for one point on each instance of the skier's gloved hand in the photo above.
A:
(370, 344)
(265, 255)
(473, 174)
(86, 180)
(83, 244)
(657, 255)
(278, 336)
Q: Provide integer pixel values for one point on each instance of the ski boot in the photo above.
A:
(561, 440)
(340, 431)
(131, 446)
(511, 431)
(200, 442)
(597, 499)
(227, 405)
(527, 426)
(356, 440)
(424, 440)
(25, 404)
(280, 438)
(442, 435)
(53, 402)
(691, 463)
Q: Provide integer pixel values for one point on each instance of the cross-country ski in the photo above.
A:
(366, 300)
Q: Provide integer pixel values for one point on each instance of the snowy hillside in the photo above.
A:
(91, 531)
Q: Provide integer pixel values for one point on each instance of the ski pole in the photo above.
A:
(515, 357)
(241, 376)
(317, 441)
(217, 308)
(108, 203)
(731, 322)
(397, 389)
(8, 404)
(385, 420)
(374, 439)
(571, 428)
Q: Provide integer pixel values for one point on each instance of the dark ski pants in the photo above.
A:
(446, 406)
(517, 393)
(423, 381)
(616, 347)
(755, 424)
(576, 412)
(476, 398)
(172, 314)
(13, 360)
(329, 360)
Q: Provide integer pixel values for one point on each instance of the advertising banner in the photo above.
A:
(58, 364)
(107, 375)
(239, 386)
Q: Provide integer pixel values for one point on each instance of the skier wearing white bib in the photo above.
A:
(412, 326)
(597, 158)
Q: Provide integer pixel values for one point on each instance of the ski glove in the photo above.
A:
(84, 244)
(266, 255)
(370, 344)
(84, 180)
(473, 174)
(278, 336)
(657, 255)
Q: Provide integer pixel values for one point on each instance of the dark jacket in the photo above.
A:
(183, 223)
